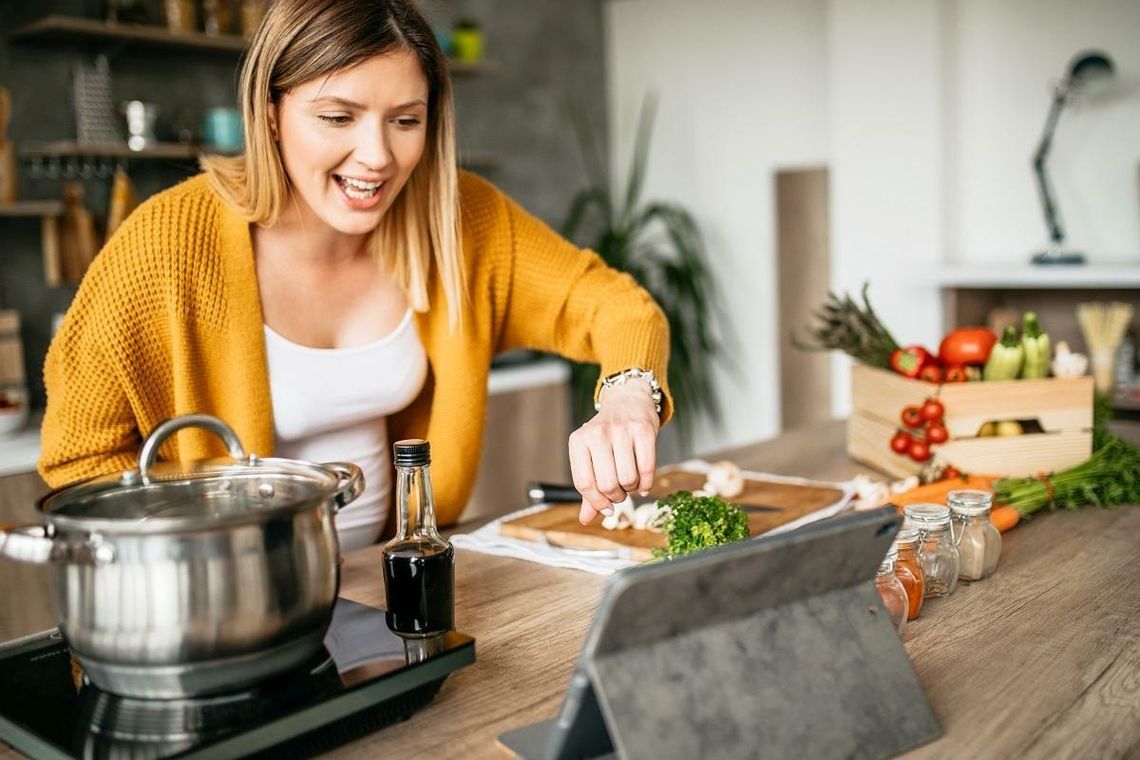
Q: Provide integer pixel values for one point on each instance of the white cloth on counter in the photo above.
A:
(490, 540)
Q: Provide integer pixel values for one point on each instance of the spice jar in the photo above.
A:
(891, 590)
(181, 15)
(252, 11)
(936, 552)
(978, 541)
(215, 17)
(909, 570)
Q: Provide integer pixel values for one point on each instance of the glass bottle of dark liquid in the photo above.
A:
(419, 575)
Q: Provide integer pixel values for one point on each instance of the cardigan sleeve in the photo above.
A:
(566, 300)
(88, 428)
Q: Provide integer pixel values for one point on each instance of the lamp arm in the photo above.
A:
(1056, 234)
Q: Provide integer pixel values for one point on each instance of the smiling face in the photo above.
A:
(350, 140)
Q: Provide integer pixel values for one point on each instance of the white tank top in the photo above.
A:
(332, 404)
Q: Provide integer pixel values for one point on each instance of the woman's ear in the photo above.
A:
(271, 110)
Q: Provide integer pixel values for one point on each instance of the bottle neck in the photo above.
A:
(415, 508)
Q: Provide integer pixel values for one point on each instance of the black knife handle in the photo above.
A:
(552, 493)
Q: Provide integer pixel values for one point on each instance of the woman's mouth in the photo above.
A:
(358, 193)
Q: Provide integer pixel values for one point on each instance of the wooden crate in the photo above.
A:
(1062, 407)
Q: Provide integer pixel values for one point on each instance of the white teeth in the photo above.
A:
(360, 184)
(358, 189)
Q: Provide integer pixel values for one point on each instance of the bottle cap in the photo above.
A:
(412, 452)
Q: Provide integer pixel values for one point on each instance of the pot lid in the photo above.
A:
(168, 495)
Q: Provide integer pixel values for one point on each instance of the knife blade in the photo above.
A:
(558, 493)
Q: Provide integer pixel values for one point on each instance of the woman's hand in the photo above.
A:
(615, 453)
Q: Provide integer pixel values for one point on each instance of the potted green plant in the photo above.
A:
(660, 245)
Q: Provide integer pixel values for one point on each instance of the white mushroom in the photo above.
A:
(725, 479)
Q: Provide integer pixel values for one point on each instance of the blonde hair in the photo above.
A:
(299, 40)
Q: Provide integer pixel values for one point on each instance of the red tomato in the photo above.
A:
(936, 432)
(951, 472)
(919, 450)
(967, 345)
(954, 374)
(932, 410)
(931, 373)
(911, 416)
(900, 443)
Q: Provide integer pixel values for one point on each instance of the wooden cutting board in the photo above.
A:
(559, 524)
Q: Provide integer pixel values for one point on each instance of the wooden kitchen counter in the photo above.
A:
(1040, 660)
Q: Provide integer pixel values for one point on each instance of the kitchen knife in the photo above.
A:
(554, 493)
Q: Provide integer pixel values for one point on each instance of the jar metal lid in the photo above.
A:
(908, 536)
(970, 501)
(926, 516)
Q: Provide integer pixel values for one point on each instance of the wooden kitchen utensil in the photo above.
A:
(559, 524)
(11, 349)
(77, 239)
(8, 167)
(50, 251)
(123, 201)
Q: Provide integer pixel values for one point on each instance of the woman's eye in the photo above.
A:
(407, 122)
(335, 120)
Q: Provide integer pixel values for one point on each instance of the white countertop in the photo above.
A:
(19, 451)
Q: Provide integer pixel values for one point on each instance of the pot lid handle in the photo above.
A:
(158, 436)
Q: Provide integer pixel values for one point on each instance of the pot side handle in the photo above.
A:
(35, 545)
(26, 543)
(350, 482)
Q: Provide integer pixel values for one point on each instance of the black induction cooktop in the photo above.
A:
(363, 679)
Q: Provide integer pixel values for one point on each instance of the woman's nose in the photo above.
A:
(372, 149)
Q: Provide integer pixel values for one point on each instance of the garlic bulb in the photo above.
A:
(1068, 364)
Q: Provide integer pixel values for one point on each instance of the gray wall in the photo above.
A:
(551, 56)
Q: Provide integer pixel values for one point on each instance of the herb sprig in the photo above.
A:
(700, 522)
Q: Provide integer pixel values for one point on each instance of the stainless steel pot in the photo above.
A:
(179, 580)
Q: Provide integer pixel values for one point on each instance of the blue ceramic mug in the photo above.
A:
(221, 129)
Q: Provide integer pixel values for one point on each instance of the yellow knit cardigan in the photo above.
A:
(168, 321)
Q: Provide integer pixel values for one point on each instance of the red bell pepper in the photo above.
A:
(908, 361)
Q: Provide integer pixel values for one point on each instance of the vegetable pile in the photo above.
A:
(700, 522)
(965, 353)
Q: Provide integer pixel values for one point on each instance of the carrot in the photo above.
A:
(1004, 518)
(935, 493)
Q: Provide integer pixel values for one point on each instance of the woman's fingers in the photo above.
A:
(645, 452)
(582, 470)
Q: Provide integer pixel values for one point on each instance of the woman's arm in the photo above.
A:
(566, 300)
(89, 428)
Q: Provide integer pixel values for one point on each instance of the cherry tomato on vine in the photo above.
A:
(919, 450)
(932, 410)
(912, 416)
(936, 432)
(900, 443)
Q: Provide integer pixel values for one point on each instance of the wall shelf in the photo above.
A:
(70, 29)
(31, 209)
(177, 151)
(71, 148)
(1029, 277)
(57, 29)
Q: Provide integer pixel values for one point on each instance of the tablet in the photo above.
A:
(774, 647)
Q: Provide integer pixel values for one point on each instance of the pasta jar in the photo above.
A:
(936, 552)
(909, 570)
(891, 590)
(978, 541)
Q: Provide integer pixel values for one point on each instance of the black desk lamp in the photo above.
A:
(1087, 67)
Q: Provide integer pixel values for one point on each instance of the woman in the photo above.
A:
(341, 285)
